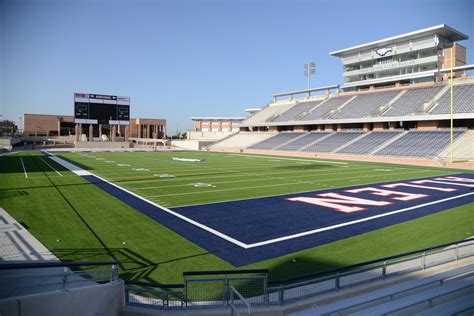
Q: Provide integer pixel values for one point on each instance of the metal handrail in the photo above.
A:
(55, 264)
(232, 291)
(362, 264)
(225, 272)
(155, 284)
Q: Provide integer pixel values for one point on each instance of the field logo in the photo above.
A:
(202, 185)
(384, 51)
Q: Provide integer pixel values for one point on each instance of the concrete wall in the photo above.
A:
(208, 135)
(186, 144)
(427, 125)
(104, 299)
(102, 145)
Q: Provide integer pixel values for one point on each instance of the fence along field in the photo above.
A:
(92, 224)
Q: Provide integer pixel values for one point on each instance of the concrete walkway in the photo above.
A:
(17, 244)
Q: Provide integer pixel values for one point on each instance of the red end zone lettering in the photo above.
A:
(405, 196)
(337, 202)
(342, 203)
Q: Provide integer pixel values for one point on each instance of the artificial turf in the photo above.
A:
(79, 222)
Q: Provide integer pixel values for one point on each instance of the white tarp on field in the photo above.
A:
(186, 159)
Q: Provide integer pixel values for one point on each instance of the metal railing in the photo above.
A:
(216, 292)
(204, 289)
(334, 280)
(36, 277)
(155, 295)
(233, 305)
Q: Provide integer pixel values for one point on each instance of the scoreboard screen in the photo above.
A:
(101, 109)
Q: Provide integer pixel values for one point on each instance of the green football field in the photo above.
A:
(80, 222)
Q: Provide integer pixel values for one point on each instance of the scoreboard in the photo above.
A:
(101, 109)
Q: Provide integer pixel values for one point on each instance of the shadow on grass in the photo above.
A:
(135, 266)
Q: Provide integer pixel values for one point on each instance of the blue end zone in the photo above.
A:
(263, 220)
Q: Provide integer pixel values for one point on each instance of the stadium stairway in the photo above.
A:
(463, 148)
(428, 107)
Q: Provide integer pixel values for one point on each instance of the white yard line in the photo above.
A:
(51, 166)
(295, 159)
(24, 169)
(274, 185)
(267, 177)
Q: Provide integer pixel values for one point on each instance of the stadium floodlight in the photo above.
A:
(309, 71)
(451, 120)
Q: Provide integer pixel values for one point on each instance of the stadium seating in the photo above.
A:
(324, 107)
(333, 142)
(374, 104)
(463, 100)
(397, 143)
(369, 143)
(365, 104)
(242, 140)
(269, 112)
(276, 140)
(413, 99)
(419, 144)
(301, 142)
(296, 111)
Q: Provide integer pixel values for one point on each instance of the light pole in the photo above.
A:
(309, 71)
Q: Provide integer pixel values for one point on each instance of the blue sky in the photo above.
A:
(183, 58)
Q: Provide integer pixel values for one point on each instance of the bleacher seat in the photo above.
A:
(268, 112)
(276, 140)
(333, 142)
(294, 112)
(301, 142)
(463, 304)
(412, 100)
(365, 104)
(421, 301)
(364, 302)
(419, 144)
(369, 143)
(463, 100)
(324, 107)
(242, 140)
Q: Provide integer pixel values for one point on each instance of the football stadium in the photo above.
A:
(354, 198)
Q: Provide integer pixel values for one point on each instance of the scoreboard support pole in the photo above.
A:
(91, 132)
(126, 133)
(114, 132)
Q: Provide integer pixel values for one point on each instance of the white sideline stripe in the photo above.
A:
(24, 169)
(310, 232)
(262, 243)
(296, 159)
(77, 171)
(51, 166)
